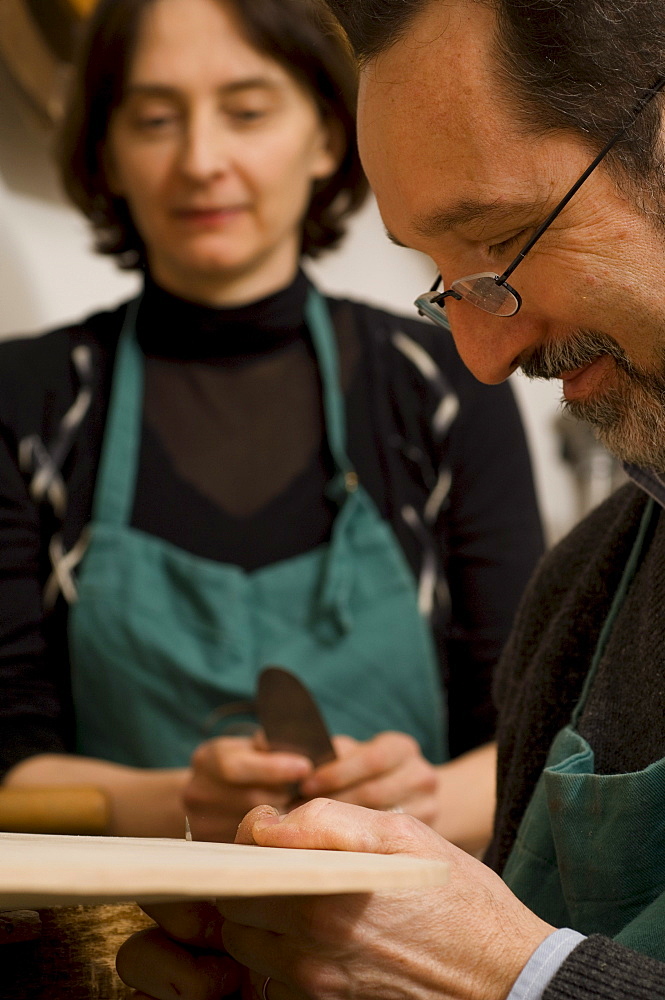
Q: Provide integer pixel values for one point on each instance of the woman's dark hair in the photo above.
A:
(298, 34)
(569, 65)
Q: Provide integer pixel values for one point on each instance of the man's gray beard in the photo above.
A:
(629, 416)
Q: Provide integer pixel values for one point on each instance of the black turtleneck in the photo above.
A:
(171, 327)
(233, 429)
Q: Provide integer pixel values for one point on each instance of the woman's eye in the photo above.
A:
(155, 122)
(248, 115)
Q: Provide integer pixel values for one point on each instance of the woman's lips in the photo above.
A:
(581, 382)
(205, 217)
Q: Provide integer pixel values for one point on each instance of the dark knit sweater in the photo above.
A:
(539, 680)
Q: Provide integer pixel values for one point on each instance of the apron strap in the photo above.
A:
(116, 479)
(650, 514)
(317, 316)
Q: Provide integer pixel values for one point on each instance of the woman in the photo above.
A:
(232, 471)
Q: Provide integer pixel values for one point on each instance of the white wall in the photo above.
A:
(48, 275)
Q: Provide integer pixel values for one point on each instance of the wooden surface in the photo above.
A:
(74, 956)
(42, 871)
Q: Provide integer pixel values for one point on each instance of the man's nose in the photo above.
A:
(491, 347)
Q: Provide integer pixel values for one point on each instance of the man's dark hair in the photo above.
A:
(298, 34)
(573, 65)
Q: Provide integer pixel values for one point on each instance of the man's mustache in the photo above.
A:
(550, 361)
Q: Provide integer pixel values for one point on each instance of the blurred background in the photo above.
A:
(49, 275)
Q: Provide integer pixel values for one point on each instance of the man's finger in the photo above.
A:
(153, 963)
(264, 814)
(196, 923)
(323, 824)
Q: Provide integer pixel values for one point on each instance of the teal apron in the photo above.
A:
(159, 638)
(590, 851)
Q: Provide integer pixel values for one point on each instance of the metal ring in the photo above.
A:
(265, 987)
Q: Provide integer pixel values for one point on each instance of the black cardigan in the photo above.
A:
(485, 541)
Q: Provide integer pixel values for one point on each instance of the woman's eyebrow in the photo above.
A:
(233, 87)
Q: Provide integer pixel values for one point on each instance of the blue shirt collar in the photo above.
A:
(649, 481)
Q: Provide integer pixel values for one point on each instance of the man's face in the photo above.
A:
(457, 178)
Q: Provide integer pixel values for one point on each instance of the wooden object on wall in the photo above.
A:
(33, 66)
(82, 7)
(37, 44)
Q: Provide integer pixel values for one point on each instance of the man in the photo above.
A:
(479, 123)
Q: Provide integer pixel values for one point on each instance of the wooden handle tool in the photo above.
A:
(76, 809)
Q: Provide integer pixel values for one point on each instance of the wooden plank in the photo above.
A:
(41, 871)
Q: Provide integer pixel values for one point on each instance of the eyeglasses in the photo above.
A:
(491, 292)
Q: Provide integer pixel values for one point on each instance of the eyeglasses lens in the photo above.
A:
(482, 290)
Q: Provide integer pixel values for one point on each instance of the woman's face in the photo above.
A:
(215, 148)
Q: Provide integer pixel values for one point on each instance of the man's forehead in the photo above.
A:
(445, 60)
(436, 89)
(423, 124)
(437, 134)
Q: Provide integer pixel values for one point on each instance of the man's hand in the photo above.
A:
(183, 959)
(467, 940)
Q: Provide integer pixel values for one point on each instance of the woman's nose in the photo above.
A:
(205, 151)
(491, 347)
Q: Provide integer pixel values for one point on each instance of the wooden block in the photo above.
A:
(40, 870)
(17, 926)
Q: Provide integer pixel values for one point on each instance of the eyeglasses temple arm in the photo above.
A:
(641, 104)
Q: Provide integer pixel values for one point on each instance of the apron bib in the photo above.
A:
(159, 638)
(590, 851)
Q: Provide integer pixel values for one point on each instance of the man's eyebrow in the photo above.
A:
(234, 87)
(442, 221)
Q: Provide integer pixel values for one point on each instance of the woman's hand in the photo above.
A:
(386, 772)
(468, 939)
(231, 775)
(466, 799)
